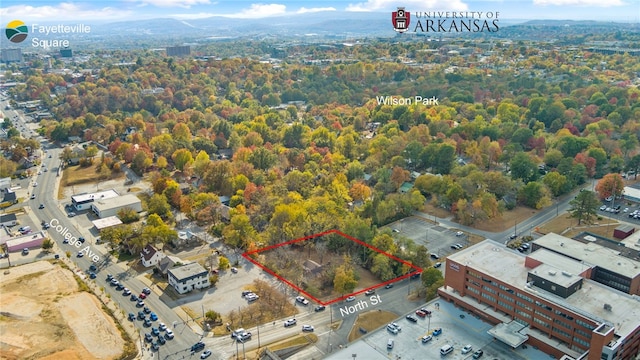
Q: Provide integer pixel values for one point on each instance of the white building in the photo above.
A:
(84, 201)
(110, 207)
(188, 277)
(150, 256)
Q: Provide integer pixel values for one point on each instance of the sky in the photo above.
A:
(119, 10)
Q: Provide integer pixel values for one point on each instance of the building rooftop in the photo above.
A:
(559, 261)
(120, 201)
(611, 259)
(556, 275)
(589, 301)
(185, 271)
(107, 194)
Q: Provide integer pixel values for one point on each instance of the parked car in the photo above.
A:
(437, 332)
(290, 322)
(148, 337)
(421, 313)
(603, 207)
(132, 317)
(80, 254)
(155, 331)
(92, 275)
(134, 298)
(126, 292)
(142, 296)
(93, 268)
(140, 303)
(146, 310)
(459, 233)
(161, 340)
(169, 334)
(234, 270)
(205, 354)
(435, 256)
(426, 338)
(119, 287)
(147, 323)
(392, 329)
(153, 317)
(412, 318)
(162, 327)
(41, 206)
(478, 354)
(146, 291)
(467, 349)
(424, 310)
(141, 315)
(437, 265)
(307, 328)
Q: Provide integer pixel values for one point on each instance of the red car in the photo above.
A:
(142, 296)
(421, 313)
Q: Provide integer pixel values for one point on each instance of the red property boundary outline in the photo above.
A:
(247, 255)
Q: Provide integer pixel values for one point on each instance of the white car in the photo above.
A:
(467, 349)
(395, 325)
(459, 233)
(350, 299)
(302, 300)
(308, 328)
(290, 322)
(392, 329)
(169, 334)
(426, 338)
(603, 207)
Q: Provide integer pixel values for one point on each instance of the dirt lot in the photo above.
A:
(43, 315)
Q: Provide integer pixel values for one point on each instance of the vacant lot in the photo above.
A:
(370, 321)
(74, 176)
(564, 225)
(43, 315)
(311, 266)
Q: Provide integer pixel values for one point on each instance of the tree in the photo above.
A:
(556, 182)
(181, 158)
(584, 206)
(610, 185)
(522, 167)
(344, 280)
(430, 276)
(47, 244)
(212, 316)
(223, 263)
(534, 195)
(128, 215)
(158, 204)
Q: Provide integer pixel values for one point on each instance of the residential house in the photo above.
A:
(150, 256)
(167, 263)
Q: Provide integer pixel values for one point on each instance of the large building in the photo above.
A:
(179, 50)
(544, 299)
(610, 263)
(11, 55)
(28, 241)
(188, 277)
(110, 207)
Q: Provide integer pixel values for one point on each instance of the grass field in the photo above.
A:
(370, 321)
(564, 225)
(76, 175)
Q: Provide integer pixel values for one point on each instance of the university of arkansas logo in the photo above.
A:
(400, 20)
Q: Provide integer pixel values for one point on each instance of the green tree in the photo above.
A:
(182, 158)
(556, 182)
(158, 204)
(523, 168)
(534, 195)
(430, 276)
(584, 207)
(344, 280)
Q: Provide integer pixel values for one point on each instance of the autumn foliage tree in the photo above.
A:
(610, 185)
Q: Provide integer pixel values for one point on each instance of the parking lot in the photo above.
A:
(459, 328)
(437, 239)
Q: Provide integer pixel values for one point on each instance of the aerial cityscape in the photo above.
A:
(372, 179)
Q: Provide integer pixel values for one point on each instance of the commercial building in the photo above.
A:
(188, 277)
(84, 201)
(29, 241)
(544, 299)
(110, 207)
(8, 219)
(11, 55)
(179, 50)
